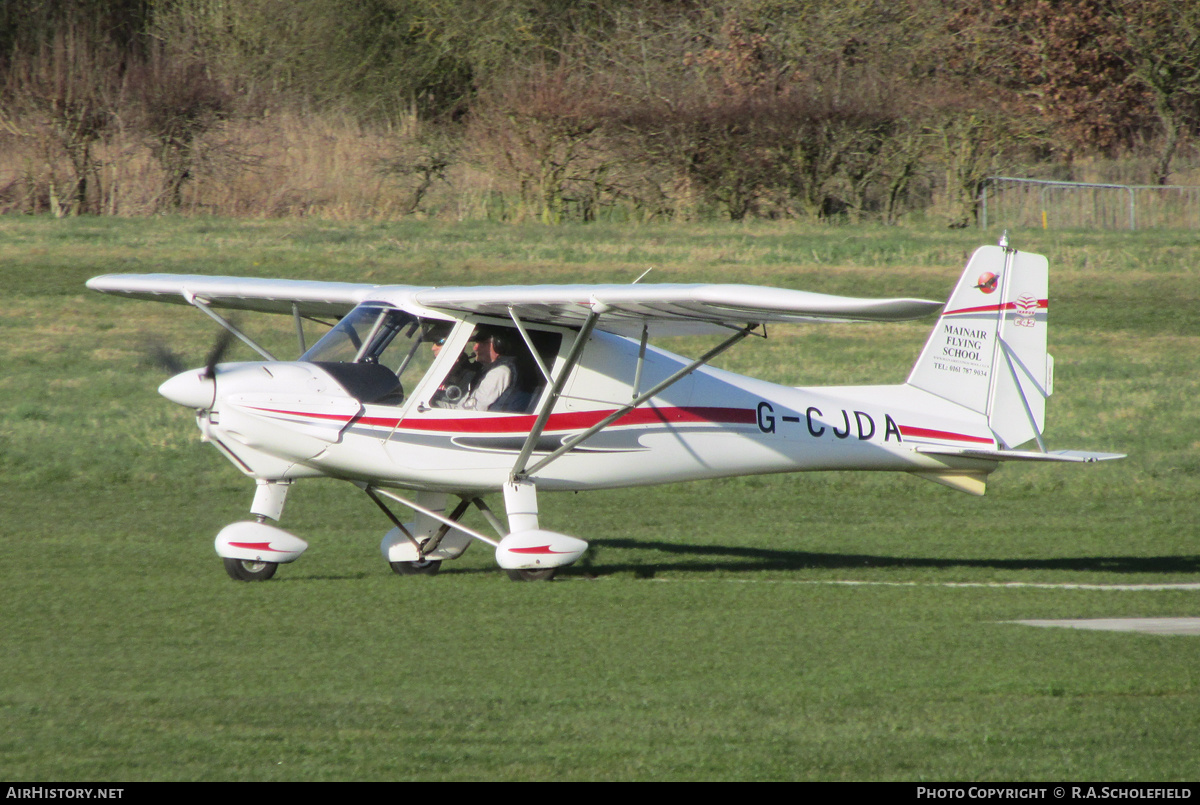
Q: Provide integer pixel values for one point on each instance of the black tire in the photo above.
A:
(545, 574)
(429, 567)
(249, 570)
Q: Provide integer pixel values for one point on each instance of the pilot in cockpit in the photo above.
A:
(461, 377)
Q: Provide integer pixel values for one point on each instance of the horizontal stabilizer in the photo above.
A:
(1076, 456)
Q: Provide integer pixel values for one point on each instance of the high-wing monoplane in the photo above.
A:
(434, 397)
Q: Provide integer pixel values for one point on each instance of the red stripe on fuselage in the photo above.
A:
(909, 432)
(522, 423)
(580, 419)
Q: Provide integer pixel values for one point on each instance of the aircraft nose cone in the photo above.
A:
(189, 388)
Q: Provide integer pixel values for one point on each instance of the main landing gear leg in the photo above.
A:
(418, 548)
(520, 502)
(532, 551)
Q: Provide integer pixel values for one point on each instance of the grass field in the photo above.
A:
(704, 636)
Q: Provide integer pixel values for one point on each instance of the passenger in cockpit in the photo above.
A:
(498, 384)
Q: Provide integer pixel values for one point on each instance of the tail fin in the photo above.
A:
(988, 350)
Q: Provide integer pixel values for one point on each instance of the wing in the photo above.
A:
(312, 298)
(669, 309)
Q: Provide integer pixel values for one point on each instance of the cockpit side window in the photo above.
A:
(499, 374)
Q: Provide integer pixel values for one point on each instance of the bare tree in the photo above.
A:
(67, 93)
(179, 103)
(540, 129)
(974, 136)
(1162, 52)
(1107, 74)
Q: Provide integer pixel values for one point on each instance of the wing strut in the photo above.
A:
(520, 473)
(529, 342)
(637, 373)
(556, 388)
(299, 328)
(203, 305)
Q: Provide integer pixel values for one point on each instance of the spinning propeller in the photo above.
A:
(216, 353)
(160, 356)
(192, 388)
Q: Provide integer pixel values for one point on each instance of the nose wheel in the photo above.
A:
(248, 570)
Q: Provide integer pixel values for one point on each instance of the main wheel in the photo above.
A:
(248, 570)
(545, 574)
(429, 567)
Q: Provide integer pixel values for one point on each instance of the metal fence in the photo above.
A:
(1012, 202)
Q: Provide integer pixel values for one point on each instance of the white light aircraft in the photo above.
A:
(564, 392)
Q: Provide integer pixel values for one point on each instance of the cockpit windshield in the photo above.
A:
(381, 336)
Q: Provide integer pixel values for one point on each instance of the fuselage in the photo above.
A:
(296, 419)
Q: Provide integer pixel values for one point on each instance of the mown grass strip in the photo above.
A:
(129, 655)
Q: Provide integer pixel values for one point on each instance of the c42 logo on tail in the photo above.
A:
(1026, 308)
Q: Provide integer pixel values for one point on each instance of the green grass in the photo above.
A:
(702, 637)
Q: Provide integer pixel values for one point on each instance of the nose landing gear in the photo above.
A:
(253, 550)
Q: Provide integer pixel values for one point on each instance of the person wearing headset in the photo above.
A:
(459, 380)
(498, 378)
